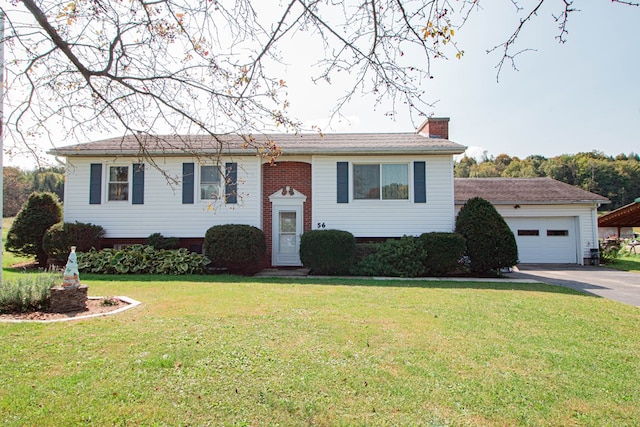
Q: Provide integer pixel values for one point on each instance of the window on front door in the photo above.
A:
(118, 183)
(209, 182)
(384, 181)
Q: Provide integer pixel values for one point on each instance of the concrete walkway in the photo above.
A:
(621, 286)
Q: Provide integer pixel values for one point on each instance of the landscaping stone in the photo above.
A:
(68, 299)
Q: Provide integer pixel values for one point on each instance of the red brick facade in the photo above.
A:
(296, 175)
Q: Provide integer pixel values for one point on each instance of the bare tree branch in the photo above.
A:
(178, 67)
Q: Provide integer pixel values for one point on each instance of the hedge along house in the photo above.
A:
(552, 222)
(373, 185)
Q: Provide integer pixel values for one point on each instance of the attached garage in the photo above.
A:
(545, 240)
(552, 222)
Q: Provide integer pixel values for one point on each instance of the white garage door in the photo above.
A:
(545, 240)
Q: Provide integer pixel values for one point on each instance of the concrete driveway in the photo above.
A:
(616, 285)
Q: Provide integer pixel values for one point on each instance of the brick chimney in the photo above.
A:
(435, 127)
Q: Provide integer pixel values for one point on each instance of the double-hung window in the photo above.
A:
(118, 183)
(381, 181)
(209, 182)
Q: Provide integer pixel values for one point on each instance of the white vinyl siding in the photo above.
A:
(384, 218)
(163, 211)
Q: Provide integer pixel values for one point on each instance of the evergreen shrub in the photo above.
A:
(329, 252)
(491, 244)
(404, 257)
(444, 252)
(39, 212)
(238, 248)
(59, 238)
(158, 241)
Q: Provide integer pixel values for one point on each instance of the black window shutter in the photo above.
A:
(343, 182)
(188, 179)
(138, 184)
(419, 182)
(95, 184)
(231, 183)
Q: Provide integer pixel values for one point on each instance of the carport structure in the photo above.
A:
(625, 217)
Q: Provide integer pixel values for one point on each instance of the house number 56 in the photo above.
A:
(321, 225)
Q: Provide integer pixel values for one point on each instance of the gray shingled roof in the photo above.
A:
(522, 190)
(291, 144)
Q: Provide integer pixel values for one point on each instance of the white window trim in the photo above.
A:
(108, 182)
(352, 185)
(221, 183)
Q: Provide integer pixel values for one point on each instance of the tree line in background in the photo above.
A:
(617, 178)
(19, 184)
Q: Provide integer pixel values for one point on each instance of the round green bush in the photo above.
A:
(491, 244)
(328, 252)
(238, 248)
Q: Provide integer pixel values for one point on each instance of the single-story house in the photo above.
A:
(619, 224)
(552, 222)
(371, 184)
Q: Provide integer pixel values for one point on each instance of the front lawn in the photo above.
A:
(218, 350)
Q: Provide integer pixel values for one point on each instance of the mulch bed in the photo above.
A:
(94, 306)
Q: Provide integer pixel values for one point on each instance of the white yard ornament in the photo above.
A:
(71, 277)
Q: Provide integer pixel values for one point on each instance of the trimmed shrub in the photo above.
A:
(491, 244)
(404, 257)
(444, 252)
(237, 247)
(40, 211)
(328, 252)
(141, 259)
(59, 238)
(158, 241)
(28, 292)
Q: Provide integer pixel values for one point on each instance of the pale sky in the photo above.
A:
(579, 96)
(566, 98)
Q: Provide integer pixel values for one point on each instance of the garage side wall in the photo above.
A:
(583, 216)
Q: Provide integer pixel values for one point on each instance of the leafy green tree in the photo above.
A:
(16, 189)
(462, 168)
(491, 244)
(40, 211)
(49, 180)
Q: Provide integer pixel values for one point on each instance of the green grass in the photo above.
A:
(229, 351)
(627, 262)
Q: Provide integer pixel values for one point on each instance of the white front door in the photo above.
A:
(286, 226)
(286, 244)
